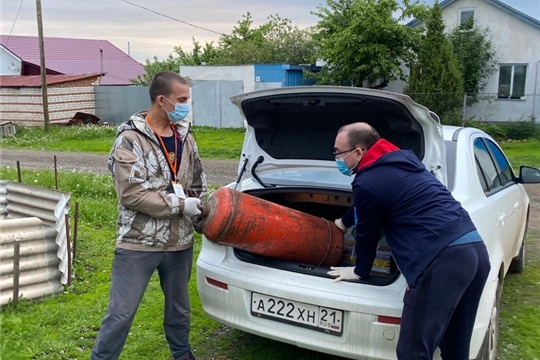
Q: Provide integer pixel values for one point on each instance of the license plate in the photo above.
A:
(297, 313)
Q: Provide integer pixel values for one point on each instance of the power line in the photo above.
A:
(16, 16)
(170, 17)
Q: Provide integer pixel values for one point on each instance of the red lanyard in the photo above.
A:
(171, 164)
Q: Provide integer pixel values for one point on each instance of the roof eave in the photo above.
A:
(499, 4)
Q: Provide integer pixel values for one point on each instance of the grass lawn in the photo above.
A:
(65, 326)
(523, 153)
(213, 143)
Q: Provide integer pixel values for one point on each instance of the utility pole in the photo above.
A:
(42, 65)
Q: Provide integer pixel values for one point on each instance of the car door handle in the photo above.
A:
(502, 217)
(516, 205)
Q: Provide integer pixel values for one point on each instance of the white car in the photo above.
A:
(288, 151)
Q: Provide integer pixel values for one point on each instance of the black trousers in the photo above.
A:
(440, 307)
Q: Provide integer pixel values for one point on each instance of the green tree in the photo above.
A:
(435, 80)
(361, 41)
(276, 41)
(206, 54)
(477, 58)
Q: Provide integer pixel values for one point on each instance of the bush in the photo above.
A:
(521, 130)
(517, 130)
(495, 131)
(451, 117)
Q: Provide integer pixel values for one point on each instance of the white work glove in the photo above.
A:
(343, 273)
(339, 224)
(190, 206)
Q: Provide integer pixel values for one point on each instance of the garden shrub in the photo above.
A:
(495, 131)
(521, 130)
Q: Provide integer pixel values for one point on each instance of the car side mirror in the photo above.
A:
(529, 175)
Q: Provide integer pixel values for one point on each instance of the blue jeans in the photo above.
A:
(131, 274)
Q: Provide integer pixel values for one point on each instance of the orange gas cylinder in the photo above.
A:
(261, 227)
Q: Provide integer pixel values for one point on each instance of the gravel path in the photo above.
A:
(219, 172)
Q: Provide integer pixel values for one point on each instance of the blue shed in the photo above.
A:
(281, 75)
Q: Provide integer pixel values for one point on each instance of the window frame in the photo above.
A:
(466, 9)
(511, 178)
(480, 169)
(493, 184)
(512, 74)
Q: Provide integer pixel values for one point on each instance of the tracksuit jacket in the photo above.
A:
(150, 214)
(395, 193)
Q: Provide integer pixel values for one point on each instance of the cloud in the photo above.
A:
(147, 33)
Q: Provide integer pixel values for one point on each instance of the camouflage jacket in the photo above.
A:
(150, 214)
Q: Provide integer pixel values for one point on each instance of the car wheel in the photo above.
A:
(518, 263)
(488, 351)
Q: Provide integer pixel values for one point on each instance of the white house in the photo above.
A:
(514, 90)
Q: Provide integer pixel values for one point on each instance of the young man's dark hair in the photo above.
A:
(161, 84)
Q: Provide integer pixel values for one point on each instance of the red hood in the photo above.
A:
(378, 149)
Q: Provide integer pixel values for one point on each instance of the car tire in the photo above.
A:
(518, 263)
(488, 351)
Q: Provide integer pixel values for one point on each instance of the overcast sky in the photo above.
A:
(150, 34)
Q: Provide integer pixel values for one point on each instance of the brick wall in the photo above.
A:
(23, 106)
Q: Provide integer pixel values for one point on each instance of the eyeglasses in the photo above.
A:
(336, 153)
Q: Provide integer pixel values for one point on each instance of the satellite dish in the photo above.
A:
(13, 66)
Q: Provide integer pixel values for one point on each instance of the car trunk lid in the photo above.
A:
(291, 131)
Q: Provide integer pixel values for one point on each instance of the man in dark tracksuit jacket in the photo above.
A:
(432, 238)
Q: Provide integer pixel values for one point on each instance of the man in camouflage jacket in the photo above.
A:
(159, 179)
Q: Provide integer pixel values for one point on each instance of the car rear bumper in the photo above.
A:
(363, 337)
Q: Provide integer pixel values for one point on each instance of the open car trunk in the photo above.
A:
(327, 204)
(287, 156)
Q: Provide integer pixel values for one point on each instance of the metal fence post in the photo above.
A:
(464, 108)
(75, 229)
(19, 171)
(55, 174)
(68, 246)
(16, 261)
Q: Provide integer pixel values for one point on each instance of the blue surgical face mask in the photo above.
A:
(179, 113)
(343, 168)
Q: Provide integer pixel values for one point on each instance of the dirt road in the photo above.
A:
(219, 172)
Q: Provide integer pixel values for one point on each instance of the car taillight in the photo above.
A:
(389, 320)
(216, 283)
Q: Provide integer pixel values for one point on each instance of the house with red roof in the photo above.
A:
(19, 55)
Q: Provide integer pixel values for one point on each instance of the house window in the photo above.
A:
(467, 16)
(512, 81)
